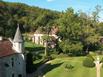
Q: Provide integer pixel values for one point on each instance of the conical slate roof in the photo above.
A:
(18, 36)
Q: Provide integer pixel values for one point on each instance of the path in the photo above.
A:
(39, 73)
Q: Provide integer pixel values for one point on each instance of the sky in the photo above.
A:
(61, 5)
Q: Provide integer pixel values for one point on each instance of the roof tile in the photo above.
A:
(6, 48)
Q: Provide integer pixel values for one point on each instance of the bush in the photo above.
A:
(90, 56)
(69, 66)
(88, 62)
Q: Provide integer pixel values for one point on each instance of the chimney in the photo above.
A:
(1, 38)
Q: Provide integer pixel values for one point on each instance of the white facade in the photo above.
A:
(18, 47)
(38, 38)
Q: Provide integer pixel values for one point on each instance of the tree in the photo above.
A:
(90, 36)
(70, 30)
(95, 13)
(29, 17)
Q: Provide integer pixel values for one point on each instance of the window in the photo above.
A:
(12, 75)
(19, 75)
(6, 65)
(12, 59)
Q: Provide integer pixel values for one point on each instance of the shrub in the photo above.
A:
(88, 62)
(90, 56)
(69, 66)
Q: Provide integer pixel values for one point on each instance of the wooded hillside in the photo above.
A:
(79, 32)
(28, 17)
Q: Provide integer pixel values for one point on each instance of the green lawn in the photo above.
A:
(57, 68)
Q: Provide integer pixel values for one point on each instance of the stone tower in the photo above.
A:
(12, 60)
(18, 47)
(18, 42)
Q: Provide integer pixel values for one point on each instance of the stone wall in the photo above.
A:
(12, 66)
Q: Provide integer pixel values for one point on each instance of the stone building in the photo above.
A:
(37, 37)
(12, 60)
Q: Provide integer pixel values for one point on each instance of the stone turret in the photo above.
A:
(18, 41)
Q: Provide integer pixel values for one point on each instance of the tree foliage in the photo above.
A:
(89, 61)
(29, 18)
(79, 32)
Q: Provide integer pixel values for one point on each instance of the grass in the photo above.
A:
(78, 69)
(57, 67)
